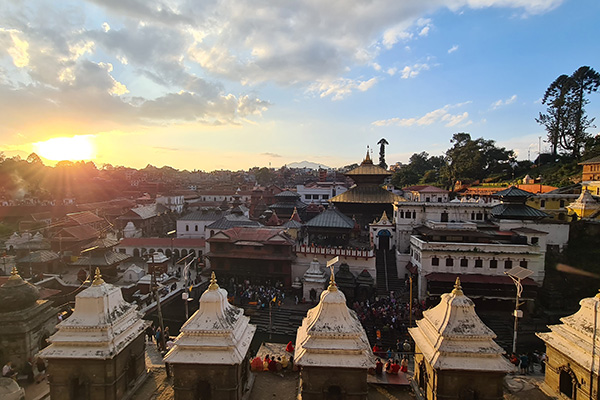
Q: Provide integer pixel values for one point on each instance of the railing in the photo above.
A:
(333, 251)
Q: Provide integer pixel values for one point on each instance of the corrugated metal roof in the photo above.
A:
(331, 218)
(203, 215)
(367, 194)
(232, 221)
(513, 191)
(102, 260)
(39, 256)
(593, 160)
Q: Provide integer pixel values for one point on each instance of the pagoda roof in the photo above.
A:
(593, 160)
(451, 336)
(331, 335)
(211, 214)
(39, 256)
(513, 192)
(517, 211)
(104, 259)
(218, 333)
(287, 195)
(370, 193)
(331, 218)
(574, 337)
(101, 326)
(292, 224)
(233, 220)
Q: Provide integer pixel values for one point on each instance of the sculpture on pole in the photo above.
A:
(382, 143)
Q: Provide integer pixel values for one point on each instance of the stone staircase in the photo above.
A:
(285, 320)
(386, 261)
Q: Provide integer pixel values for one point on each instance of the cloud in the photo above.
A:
(340, 88)
(500, 103)
(436, 116)
(275, 155)
(414, 70)
(452, 49)
(16, 47)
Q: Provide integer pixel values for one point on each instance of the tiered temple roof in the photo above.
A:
(452, 337)
(101, 326)
(218, 333)
(332, 336)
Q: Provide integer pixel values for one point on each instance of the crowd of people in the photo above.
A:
(275, 363)
(34, 370)
(260, 295)
(525, 362)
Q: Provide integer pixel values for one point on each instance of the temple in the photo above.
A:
(210, 355)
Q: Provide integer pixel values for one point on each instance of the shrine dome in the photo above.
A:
(16, 294)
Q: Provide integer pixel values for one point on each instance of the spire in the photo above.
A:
(14, 274)
(367, 159)
(332, 285)
(213, 282)
(98, 278)
(457, 288)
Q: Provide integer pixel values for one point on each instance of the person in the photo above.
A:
(159, 336)
(272, 365)
(395, 367)
(375, 349)
(388, 366)
(28, 370)
(404, 365)
(524, 364)
(278, 365)
(514, 360)
(378, 367)
(389, 353)
(285, 362)
(266, 363)
(150, 333)
(290, 347)
(256, 364)
(8, 371)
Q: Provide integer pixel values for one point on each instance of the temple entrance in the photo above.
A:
(383, 237)
(423, 379)
(313, 294)
(203, 391)
(78, 389)
(334, 393)
(567, 382)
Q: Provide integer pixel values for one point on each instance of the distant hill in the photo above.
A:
(307, 164)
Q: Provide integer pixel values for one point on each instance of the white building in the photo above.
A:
(320, 192)
(173, 202)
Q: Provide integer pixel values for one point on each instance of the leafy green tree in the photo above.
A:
(584, 81)
(557, 118)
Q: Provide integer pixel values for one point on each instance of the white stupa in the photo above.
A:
(218, 333)
(313, 278)
(101, 325)
(452, 337)
(332, 336)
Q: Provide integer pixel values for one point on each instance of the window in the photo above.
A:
(407, 215)
(196, 228)
(472, 215)
(439, 199)
(187, 228)
(562, 204)
(464, 262)
(444, 217)
(427, 199)
(402, 214)
(325, 197)
(507, 264)
(307, 196)
(449, 262)
(535, 240)
(542, 203)
(494, 263)
(479, 263)
(435, 261)
(523, 264)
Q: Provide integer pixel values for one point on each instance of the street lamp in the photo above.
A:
(170, 233)
(517, 274)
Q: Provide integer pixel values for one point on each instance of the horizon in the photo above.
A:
(232, 86)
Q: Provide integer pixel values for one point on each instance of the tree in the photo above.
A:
(382, 143)
(565, 119)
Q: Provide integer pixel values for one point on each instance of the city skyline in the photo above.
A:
(232, 85)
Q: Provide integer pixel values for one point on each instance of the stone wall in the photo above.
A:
(224, 382)
(111, 379)
(317, 382)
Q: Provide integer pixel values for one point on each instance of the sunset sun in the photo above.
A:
(66, 148)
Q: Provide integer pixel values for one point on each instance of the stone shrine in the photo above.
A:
(210, 357)
(332, 350)
(98, 352)
(455, 354)
(573, 361)
(25, 321)
(314, 281)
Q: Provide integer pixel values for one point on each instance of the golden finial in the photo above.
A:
(14, 274)
(368, 157)
(457, 288)
(98, 278)
(332, 285)
(213, 282)
(598, 294)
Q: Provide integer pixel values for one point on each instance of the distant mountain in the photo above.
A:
(307, 164)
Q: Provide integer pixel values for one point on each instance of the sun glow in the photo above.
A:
(66, 148)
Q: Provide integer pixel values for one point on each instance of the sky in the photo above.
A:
(233, 84)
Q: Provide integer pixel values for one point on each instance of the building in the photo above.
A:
(172, 202)
(553, 203)
(258, 255)
(150, 220)
(193, 225)
(332, 350)
(573, 354)
(174, 248)
(25, 321)
(210, 357)
(320, 192)
(285, 204)
(455, 353)
(425, 193)
(586, 207)
(331, 228)
(98, 352)
(591, 175)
